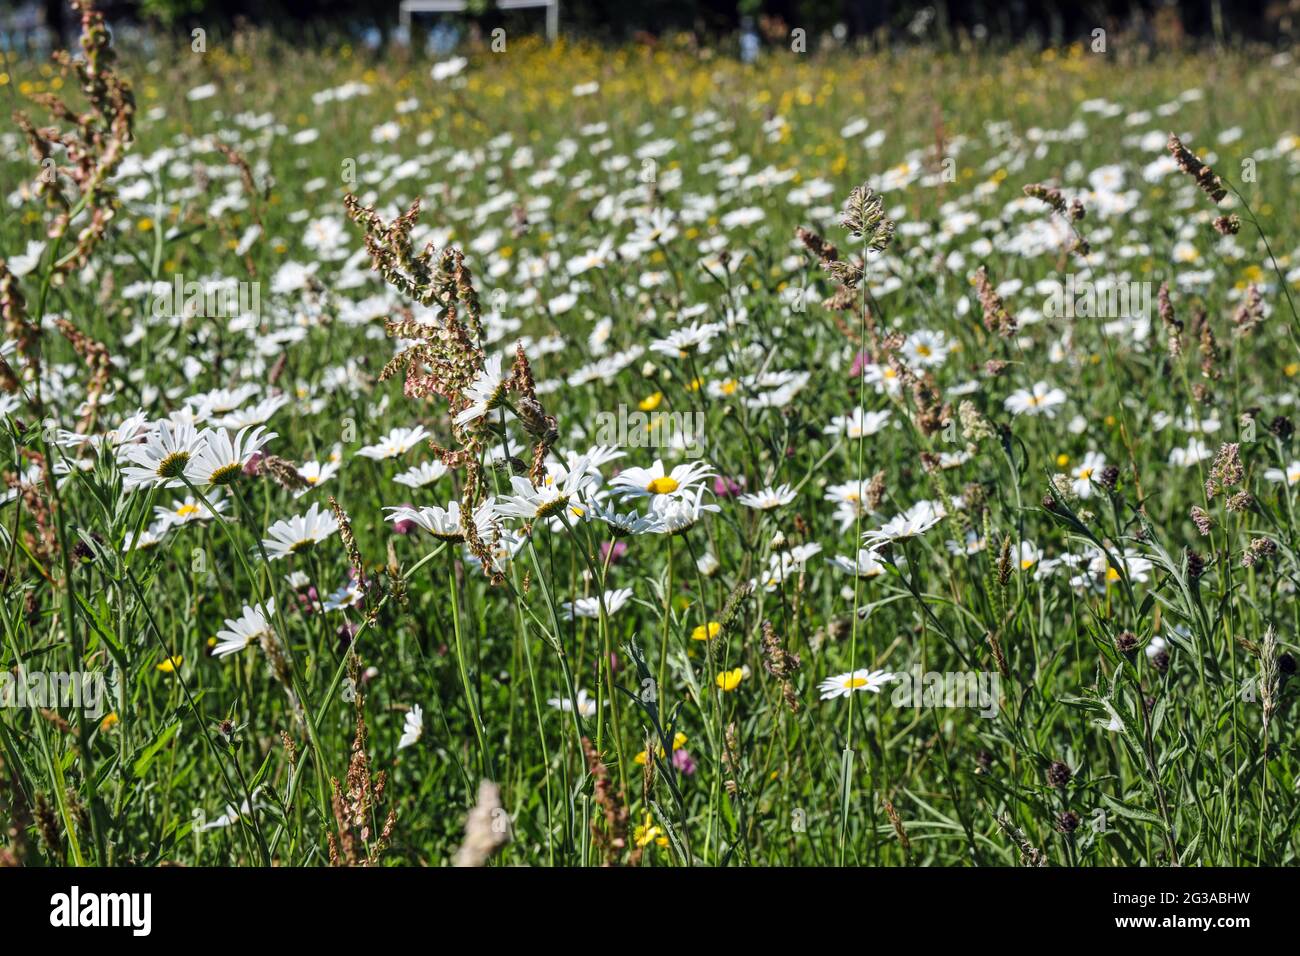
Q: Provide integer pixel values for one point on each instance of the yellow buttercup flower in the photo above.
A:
(169, 666)
(706, 632)
(109, 722)
(651, 402)
(730, 680)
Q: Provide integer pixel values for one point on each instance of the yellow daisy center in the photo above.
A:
(663, 485)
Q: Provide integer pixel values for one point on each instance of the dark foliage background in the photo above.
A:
(1161, 21)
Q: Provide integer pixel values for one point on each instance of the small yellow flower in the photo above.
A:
(706, 632)
(648, 832)
(651, 402)
(109, 722)
(679, 741)
(144, 224)
(1062, 460)
(169, 666)
(730, 680)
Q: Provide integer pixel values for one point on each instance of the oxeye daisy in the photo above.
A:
(298, 533)
(412, 727)
(485, 392)
(863, 679)
(640, 482)
(255, 415)
(768, 498)
(445, 524)
(624, 524)
(867, 565)
(162, 458)
(590, 606)
(677, 515)
(858, 424)
(682, 342)
(586, 704)
(189, 510)
(252, 625)
(1092, 464)
(900, 528)
(350, 595)
(222, 458)
(315, 473)
(396, 443)
(1042, 399)
(1290, 475)
(425, 473)
(531, 502)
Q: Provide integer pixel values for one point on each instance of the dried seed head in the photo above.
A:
(864, 217)
(1206, 179)
(1202, 519)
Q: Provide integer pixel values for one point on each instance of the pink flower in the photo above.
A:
(619, 548)
(860, 361)
(683, 762)
(725, 487)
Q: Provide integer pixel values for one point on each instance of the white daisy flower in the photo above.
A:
(863, 679)
(412, 727)
(768, 498)
(396, 443)
(223, 458)
(590, 606)
(162, 458)
(252, 625)
(291, 535)
(425, 473)
(485, 392)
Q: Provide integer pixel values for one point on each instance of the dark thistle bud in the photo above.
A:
(1126, 643)
(1067, 821)
(1058, 775)
(1109, 477)
(1282, 427)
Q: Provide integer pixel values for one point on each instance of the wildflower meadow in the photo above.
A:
(588, 454)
